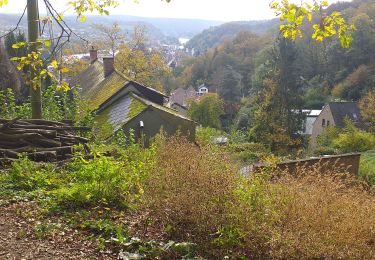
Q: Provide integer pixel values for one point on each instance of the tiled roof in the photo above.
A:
(121, 112)
(98, 89)
(342, 110)
(95, 87)
(128, 107)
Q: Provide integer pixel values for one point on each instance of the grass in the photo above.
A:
(141, 201)
(367, 167)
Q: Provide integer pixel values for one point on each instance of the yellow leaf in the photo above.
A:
(54, 64)
(82, 18)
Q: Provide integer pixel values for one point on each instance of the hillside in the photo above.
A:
(163, 30)
(215, 35)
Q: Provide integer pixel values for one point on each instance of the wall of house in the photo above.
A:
(310, 120)
(154, 120)
(318, 126)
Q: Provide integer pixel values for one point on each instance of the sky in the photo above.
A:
(219, 10)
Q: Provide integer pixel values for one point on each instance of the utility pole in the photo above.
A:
(33, 34)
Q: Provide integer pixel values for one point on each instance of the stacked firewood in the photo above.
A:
(40, 140)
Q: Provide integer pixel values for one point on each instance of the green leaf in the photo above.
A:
(47, 43)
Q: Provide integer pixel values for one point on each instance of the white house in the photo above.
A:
(202, 89)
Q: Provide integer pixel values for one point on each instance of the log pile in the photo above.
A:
(41, 140)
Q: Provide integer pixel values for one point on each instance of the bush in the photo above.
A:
(319, 221)
(106, 181)
(347, 140)
(200, 197)
(189, 189)
(367, 167)
(204, 135)
(354, 140)
(29, 176)
(248, 152)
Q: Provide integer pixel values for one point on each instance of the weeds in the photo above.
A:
(197, 195)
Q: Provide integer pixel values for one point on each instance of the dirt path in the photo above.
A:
(18, 238)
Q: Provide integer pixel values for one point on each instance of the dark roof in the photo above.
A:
(98, 89)
(342, 110)
(139, 89)
(179, 105)
(124, 109)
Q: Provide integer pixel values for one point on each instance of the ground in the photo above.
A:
(18, 237)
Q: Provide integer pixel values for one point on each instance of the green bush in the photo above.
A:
(367, 167)
(347, 140)
(354, 140)
(99, 181)
(204, 135)
(106, 181)
(29, 176)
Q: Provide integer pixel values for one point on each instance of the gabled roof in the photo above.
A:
(137, 88)
(124, 109)
(342, 110)
(121, 112)
(98, 89)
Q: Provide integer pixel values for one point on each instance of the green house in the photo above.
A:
(124, 104)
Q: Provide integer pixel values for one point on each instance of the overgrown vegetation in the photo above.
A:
(181, 192)
(347, 140)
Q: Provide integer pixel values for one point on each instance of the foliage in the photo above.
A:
(58, 105)
(277, 117)
(207, 110)
(204, 135)
(346, 140)
(11, 39)
(106, 181)
(29, 176)
(354, 140)
(367, 167)
(37, 67)
(10, 109)
(189, 189)
(146, 67)
(367, 108)
(294, 15)
(83, 6)
(112, 34)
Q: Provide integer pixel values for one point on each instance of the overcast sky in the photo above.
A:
(221, 10)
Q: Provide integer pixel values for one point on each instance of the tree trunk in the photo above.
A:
(33, 34)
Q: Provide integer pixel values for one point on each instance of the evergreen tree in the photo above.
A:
(278, 116)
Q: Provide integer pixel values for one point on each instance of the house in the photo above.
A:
(124, 104)
(311, 116)
(334, 114)
(182, 110)
(202, 89)
(181, 96)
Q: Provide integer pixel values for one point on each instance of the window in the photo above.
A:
(323, 122)
(327, 123)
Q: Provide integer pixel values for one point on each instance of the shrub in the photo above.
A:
(204, 135)
(347, 140)
(29, 176)
(354, 141)
(106, 181)
(189, 189)
(330, 217)
(201, 198)
(367, 167)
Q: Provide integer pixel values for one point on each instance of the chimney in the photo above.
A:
(93, 54)
(108, 64)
